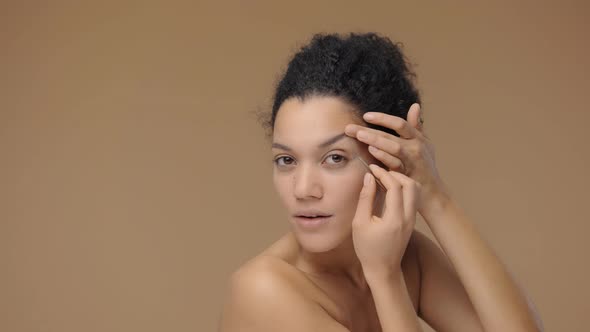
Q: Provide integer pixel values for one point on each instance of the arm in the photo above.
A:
(495, 296)
(497, 299)
(261, 299)
(444, 303)
(381, 242)
(393, 304)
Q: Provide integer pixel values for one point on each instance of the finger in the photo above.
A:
(394, 208)
(352, 130)
(401, 126)
(410, 192)
(386, 147)
(390, 146)
(392, 163)
(364, 208)
(415, 116)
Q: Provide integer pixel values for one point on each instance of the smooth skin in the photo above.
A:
(500, 304)
(380, 244)
(404, 275)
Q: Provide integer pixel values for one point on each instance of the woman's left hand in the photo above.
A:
(411, 154)
(380, 242)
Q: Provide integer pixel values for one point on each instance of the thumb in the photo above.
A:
(415, 116)
(364, 208)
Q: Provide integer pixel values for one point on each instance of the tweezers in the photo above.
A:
(369, 169)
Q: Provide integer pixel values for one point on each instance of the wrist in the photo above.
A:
(435, 202)
(384, 278)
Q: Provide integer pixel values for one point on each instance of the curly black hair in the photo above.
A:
(367, 70)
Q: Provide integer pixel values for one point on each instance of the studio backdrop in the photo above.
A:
(134, 176)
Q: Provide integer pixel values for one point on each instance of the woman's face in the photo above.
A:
(315, 170)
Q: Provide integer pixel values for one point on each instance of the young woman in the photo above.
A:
(351, 262)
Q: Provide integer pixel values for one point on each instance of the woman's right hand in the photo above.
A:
(380, 242)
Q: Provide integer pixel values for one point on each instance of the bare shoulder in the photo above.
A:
(265, 295)
(444, 303)
(419, 239)
(423, 250)
(411, 253)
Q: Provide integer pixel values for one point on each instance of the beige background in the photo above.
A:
(134, 178)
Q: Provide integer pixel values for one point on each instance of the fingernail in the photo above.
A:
(369, 116)
(376, 168)
(362, 135)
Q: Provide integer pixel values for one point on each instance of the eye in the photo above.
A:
(286, 160)
(337, 159)
(333, 160)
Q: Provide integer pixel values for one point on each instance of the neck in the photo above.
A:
(341, 261)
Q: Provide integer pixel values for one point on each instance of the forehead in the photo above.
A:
(313, 120)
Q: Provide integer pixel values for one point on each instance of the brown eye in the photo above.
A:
(286, 161)
(336, 159)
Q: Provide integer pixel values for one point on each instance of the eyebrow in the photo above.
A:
(326, 143)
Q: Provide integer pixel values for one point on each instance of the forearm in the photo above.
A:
(499, 303)
(393, 304)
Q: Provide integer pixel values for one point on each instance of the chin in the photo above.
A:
(317, 242)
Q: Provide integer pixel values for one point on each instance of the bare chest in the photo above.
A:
(352, 308)
(355, 311)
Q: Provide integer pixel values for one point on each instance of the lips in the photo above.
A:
(312, 214)
(312, 223)
(312, 218)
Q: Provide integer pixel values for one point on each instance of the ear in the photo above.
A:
(414, 116)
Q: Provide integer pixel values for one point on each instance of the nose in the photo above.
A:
(306, 183)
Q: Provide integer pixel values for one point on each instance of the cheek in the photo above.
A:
(281, 185)
(347, 188)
